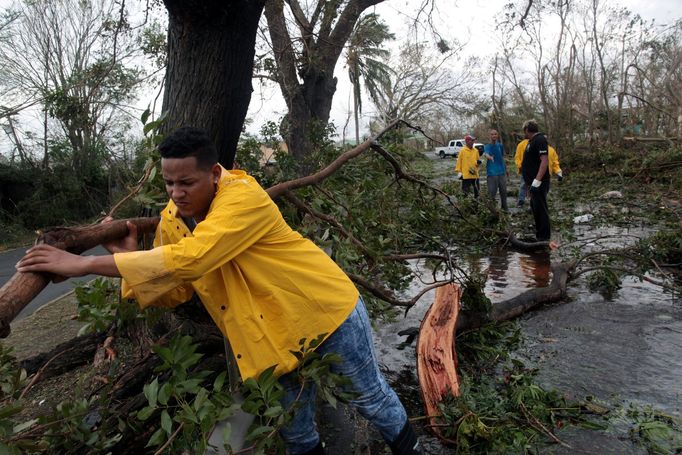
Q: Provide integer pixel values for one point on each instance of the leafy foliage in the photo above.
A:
(96, 304)
(185, 407)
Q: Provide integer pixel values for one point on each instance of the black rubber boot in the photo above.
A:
(317, 450)
(406, 443)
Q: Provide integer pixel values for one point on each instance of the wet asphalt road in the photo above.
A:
(8, 260)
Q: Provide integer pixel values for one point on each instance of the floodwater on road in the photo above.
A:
(620, 351)
(627, 350)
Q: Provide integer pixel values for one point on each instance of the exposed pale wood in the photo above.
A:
(436, 355)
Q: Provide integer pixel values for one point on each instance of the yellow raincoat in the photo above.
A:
(553, 158)
(467, 161)
(265, 286)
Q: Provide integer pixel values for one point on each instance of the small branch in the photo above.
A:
(387, 296)
(140, 184)
(627, 272)
(172, 437)
(39, 373)
(329, 219)
(535, 423)
(279, 189)
(402, 175)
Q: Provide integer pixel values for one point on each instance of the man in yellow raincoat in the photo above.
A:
(467, 166)
(265, 286)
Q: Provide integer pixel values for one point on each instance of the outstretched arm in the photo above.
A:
(46, 258)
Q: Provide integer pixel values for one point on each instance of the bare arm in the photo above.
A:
(543, 167)
(46, 258)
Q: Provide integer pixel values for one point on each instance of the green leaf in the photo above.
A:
(9, 410)
(145, 116)
(164, 393)
(145, 413)
(151, 391)
(166, 422)
(219, 381)
(22, 426)
(258, 431)
(150, 126)
(226, 433)
(273, 411)
(156, 439)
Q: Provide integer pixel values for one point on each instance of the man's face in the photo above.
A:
(191, 189)
(469, 142)
(527, 134)
(494, 136)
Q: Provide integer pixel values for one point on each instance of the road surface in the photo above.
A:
(8, 260)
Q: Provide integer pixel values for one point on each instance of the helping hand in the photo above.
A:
(535, 186)
(46, 258)
(125, 244)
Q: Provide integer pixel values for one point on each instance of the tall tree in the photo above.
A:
(74, 59)
(305, 64)
(365, 57)
(425, 88)
(211, 45)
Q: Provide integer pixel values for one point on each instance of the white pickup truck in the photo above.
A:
(453, 148)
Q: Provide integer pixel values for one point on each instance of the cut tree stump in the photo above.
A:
(436, 355)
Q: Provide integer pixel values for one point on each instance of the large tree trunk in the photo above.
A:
(307, 81)
(211, 45)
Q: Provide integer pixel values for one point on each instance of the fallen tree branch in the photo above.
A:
(278, 190)
(387, 296)
(24, 287)
(516, 306)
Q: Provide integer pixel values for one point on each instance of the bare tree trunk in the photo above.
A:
(211, 45)
(522, 303)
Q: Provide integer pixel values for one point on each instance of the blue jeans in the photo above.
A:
(377, 402)
(522, 191)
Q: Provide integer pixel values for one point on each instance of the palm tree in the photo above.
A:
(364, 59)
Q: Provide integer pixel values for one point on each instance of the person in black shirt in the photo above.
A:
(536, 176)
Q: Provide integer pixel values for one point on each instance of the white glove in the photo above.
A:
(459, 175)
(560, 174)
(536, 183)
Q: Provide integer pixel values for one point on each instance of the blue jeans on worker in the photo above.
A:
(522, 191)
(376, 400)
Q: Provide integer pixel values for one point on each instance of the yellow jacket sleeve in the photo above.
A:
(170, 299)
(518, 156)
(166, 271)
(458, 165)
(554, 167)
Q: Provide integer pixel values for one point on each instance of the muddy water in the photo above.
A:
(620, 351)
(627, 350)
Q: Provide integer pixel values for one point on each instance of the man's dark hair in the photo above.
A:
(531, 126)
(190, 141)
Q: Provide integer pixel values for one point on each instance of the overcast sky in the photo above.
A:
(474, 19)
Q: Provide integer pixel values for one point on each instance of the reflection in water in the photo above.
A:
(624, 350)
(511, 272)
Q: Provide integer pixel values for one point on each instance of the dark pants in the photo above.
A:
(498, 183)
(538, 205)
(468, 184)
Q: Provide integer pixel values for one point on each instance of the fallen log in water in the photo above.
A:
(516, 306)
(24, 287)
